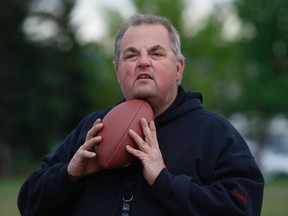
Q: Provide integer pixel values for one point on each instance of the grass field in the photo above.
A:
(275, 198)
(8, 196)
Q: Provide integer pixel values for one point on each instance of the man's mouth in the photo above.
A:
(144, 76)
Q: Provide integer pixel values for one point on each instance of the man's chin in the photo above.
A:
(143, 95)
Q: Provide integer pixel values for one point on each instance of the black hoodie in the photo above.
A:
(210, 171)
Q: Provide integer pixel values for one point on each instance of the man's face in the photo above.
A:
(147, 67)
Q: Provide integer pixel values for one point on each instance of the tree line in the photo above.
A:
(48, 85)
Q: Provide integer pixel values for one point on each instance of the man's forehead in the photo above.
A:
(144, 27)
(154, 36)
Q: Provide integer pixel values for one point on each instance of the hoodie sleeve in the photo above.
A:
(231, 194)
(49, 191)
(226, 180)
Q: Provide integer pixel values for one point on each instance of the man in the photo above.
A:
(191, 161)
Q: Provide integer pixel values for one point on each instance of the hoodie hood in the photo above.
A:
(184, 102)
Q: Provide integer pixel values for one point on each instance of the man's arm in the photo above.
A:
(50, 190)
(236, 187)
(236, 190)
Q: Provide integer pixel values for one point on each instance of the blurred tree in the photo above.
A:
(248, 73)
(15, 62)
(264, 56)
(48, 80)
(167, 8)
(264, 63)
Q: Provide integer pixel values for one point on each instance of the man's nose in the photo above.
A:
(144, 60)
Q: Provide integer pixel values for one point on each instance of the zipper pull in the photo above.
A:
(126, 207)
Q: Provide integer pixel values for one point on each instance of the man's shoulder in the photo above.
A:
(214, 117)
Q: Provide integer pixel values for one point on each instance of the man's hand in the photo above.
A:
(149, 152)
(85, 162)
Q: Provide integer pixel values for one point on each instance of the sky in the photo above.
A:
(88, 18)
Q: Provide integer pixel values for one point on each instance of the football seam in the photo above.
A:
(124, 135)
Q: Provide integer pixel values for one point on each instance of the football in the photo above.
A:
(111, 152)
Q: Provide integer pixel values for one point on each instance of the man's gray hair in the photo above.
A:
(139, 19)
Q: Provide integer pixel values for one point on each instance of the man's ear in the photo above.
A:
(117, 74)
(180, 68)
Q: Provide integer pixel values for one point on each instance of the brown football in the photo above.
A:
(111, 152)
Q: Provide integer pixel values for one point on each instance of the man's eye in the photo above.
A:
(129, 56)
(158, 54)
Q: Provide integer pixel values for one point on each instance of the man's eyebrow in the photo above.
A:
(130, 49)
(156, 47)
(151, 49)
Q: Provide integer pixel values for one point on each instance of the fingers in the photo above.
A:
(78, 165)
(135, 152)
(97, 121)
(149, 131)
(148, 152)
(139, 141)
(150, 140)
(91, 144)
(97, 126)
(87, 150)
(84, 161)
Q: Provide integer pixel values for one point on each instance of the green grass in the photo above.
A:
(275, 197)
(9, 188)
(275, 201)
